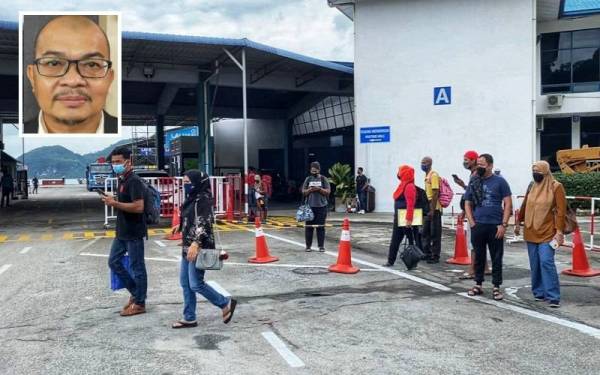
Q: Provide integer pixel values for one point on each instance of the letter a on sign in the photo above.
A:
(442, 95)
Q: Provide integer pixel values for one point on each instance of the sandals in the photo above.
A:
(497, 294)
(184, 324)
(475, 291)
(229, 314)
(466, 276)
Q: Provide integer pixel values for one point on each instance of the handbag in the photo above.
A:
(209, 259)
(115, 281)
(304, 213)
(411, 255)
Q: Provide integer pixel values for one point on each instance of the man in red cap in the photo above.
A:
(470, 163)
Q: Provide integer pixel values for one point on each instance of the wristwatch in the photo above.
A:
(505, 225)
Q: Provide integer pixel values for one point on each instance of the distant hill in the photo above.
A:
(58, 162)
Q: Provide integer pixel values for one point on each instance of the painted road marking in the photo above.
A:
(25, 250)
(282, 349)
(594, 332)
(146, 258)
(216, 286)
(88, 244)
(3, 238)
(159, 243)
(4, 268)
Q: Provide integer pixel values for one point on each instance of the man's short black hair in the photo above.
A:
(360, 169)
(123, 151)
(488, 158)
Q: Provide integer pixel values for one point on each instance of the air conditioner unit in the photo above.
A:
(539, 125)
(555, 101)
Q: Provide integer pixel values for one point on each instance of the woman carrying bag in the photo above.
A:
(405, 198)
(315, 190)
(197, 234)
(544, 212)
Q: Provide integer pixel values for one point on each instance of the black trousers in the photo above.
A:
(398, 234)
(432, 235)
(5, 194)
(320, 216)
(484, 236)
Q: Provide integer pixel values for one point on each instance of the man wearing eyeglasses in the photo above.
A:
(70, 78)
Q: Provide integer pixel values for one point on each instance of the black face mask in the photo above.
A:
(538, 177)
(481, 171)
(466, 165)
(314, 173)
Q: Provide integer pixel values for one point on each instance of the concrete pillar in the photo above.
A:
(201, 122)
(160, 141)
(575, 132)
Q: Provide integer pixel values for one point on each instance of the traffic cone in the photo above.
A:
(175, 224)
(461, 253)
(262, 250)
(344, 260)
(581, 266)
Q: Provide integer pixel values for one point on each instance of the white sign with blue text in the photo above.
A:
(375, 134)
(442, 95)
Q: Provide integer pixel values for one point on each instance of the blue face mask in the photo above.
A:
(119, 168)
(424, 168)
(187, 188)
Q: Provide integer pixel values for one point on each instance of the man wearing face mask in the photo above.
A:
(470, 164)
(130, 232)
(488, 211)
(432, 223)
(316, 189)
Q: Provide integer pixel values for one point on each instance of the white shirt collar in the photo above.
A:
(43, 130)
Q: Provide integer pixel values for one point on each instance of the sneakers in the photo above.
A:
(554, 304)
(539, 299)
(432, 261)
(133, 309)
(321, 249)
(361, 212)
(308, 250)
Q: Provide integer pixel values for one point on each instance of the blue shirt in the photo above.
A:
(495, 189)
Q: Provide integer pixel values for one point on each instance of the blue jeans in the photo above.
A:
(192, 282)
(138, 284)
(544, 278)
(362, 200)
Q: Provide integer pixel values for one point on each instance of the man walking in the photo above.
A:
(362, 184)
(7, 185)
(432, 223)
(488, 211)
(35, 185)
(131, 230)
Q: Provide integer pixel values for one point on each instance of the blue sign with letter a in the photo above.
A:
(442, 95)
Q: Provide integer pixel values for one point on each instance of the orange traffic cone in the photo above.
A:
(581, 266)
(175, 224)
(461, 253)
(344, 260)
(262, 250)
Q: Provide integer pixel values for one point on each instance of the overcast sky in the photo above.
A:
(308, 27)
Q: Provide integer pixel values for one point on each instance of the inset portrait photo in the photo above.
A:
(70, 81)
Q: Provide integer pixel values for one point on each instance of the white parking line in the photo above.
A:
(25, 250)
(159, 243)
(592, 331)
(216, 286)
(4, 268)
(89, 244)
(282, 349)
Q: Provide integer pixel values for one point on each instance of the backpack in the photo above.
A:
(151, 204)
(446, 193)
(421, 201)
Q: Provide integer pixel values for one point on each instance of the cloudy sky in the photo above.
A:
(308, 27)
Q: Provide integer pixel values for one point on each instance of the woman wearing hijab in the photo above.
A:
(197, 234)
(405, 197)
(315, 190)
(543, 211)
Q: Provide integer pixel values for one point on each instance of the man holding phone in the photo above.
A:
(316, 189)
(131, 230)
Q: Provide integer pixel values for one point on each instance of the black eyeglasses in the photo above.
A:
(58, 67)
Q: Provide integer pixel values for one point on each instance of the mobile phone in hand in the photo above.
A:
(101, 192)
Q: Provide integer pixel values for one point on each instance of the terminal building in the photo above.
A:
(519, 79)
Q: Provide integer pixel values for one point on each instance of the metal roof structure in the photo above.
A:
(162, 73)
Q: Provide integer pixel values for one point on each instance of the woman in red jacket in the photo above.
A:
(405, 197)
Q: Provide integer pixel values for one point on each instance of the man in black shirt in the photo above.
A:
(7, 185)
(131, 230)
(362, 183)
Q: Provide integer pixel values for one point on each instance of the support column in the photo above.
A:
(245, 111)
(1, 141)
(576, 131)
(201, 123)
(160, 142)
(210, 149)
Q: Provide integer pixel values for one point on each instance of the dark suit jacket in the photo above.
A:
(110, 125)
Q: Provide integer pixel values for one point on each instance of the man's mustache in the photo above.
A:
(61, 94)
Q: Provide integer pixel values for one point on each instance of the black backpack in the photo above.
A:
(422, 201)
(151, 204)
